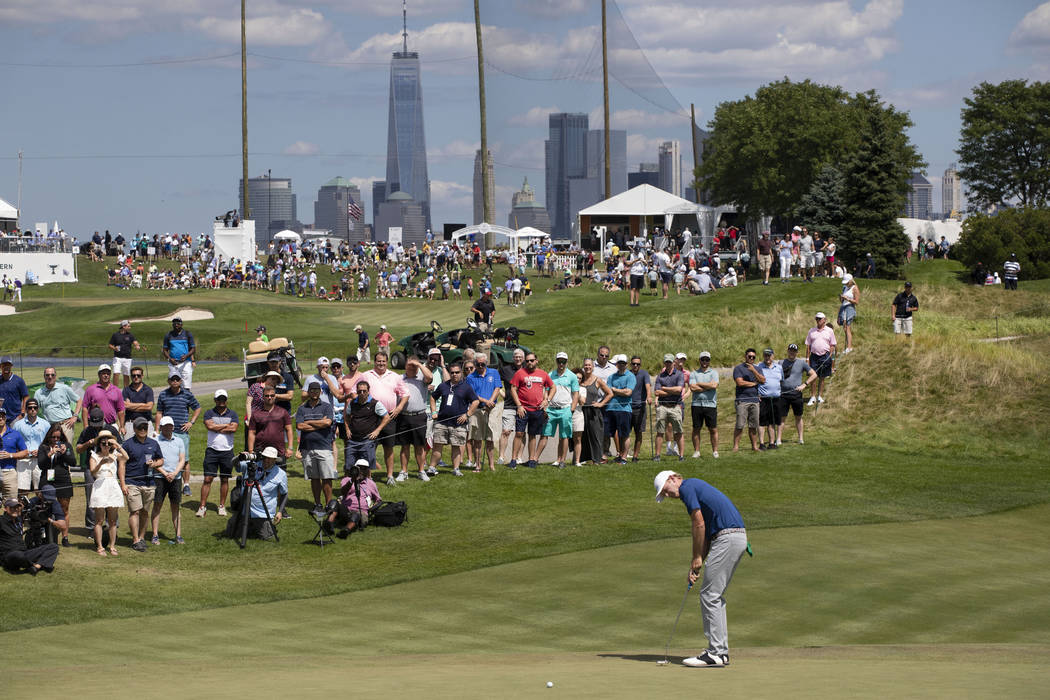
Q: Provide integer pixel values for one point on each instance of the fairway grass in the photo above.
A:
(942, 608)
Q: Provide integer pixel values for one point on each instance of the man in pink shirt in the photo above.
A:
(106, 396)
(820, 346)
(387, 388)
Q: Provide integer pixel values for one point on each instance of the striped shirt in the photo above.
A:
(1011, 269)
(178, 406)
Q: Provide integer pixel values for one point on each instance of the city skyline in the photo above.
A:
(154, 144)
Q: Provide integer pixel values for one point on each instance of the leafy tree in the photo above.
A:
(765, 152)
(823, 207)
(991, 239)
(876, 186)
(1004, 145)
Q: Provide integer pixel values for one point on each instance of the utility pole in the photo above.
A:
(486, 208)
(245, 209)
(605, 97)
(269, 214)
(19, 205)
(696, 152)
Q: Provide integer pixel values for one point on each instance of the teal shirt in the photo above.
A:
(56, 404)
(620, 381)
(566, 386)
(706, 398)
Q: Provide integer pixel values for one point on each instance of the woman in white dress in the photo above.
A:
(106, 494)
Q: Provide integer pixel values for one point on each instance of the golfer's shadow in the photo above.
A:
(644, 658)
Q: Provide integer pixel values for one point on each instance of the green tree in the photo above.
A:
(876, 186)
(823, 207)
(765, 152)
(1004, 145)
(991, 240)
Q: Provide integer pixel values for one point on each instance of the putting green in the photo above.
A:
(933, 608)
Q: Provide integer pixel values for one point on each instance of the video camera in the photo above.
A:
(355, 473)
(249, 464)
(35, 525)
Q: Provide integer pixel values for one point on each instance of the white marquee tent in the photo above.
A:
(483, 229)
(287, 235)
(951, 229)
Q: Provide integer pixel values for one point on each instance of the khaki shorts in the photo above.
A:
(902, 325)
(765, 262)
(450, 434)
(480, 425)
(577, 421)
(746, 414)
(319, 464)
(510, 416)
(140, 497)
(10, 483)
(668, 415)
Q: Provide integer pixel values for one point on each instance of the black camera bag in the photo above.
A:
(388, 514)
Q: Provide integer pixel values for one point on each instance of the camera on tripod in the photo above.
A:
(249, 464)
(356, 473)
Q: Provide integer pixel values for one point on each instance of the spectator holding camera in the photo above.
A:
(358, 494)
(14, 555)
(273, 483)
(107, 460)
(55, 458)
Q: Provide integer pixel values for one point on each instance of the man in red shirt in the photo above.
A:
(531, 390)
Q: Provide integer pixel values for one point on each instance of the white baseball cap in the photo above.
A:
(704, 354)
(362, 463)
(561, 356)
(322, 360)
(167, 420)
(680, 356)
(433, 351)
(382, 328)
(105, 368)
(659, 482)
(125, 323)
(222, 393)
(847, 278)
(619, 358)
(797, 228)
(820, 314)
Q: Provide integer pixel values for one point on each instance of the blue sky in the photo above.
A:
(124, 128)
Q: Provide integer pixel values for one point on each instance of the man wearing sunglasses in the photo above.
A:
(58, 403)
(703, 383)
(747, 377)
(138, 400)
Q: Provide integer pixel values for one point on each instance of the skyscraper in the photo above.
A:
(479, 204)
(406, 149)
(378, 197)
(647, 174)
(273, 206)
(920, 198)
(566, 158)
(526, 211)
(671, 167)
(951, 193)
(331, 210)
(596, 160)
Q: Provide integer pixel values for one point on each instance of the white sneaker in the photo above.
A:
(423, 476)
(704, 660)
(457, 472)
(391, 481)
(778, 443)
(201, 511)
(401, 476)
(801, 441)
(696, 454)
(847, 351)
(222, 511)
(501, 461)
(715, 455)
(469, 464)
(820, 399)
(812, 401)
(432, 471)
(674, 450)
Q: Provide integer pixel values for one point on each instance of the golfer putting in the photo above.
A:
(719, 541)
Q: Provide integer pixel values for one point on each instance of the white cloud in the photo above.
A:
(387, 8)
(301, 148)
(455, 149)
(364, 184)
(451, 195)
(552, 8)
(535, 117)
(643, 149)
(639, 119)
(527, 155)
(1034, 29)
(285, 27)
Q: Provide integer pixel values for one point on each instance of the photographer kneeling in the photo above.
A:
(359, 493)
(14, 554)
(273, 483)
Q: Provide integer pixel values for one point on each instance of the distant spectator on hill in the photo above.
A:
(904, 305)
(1011, 271)
(180, 349)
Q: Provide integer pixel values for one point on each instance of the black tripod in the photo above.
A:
(246, 509)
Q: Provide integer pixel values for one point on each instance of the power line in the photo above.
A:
(152, 62)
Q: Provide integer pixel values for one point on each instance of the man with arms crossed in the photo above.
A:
(904, 304)
(221, 423)
(314, 420)
(703, 383)
(747, 379)
(452, 404)
(719, 541)
(387, 388)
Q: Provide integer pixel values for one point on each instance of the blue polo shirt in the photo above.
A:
(274, 483)
(642, 379)
(178, 344)
(12, 391)
(486, 385)
(34, 433)
(453, 400)
(11, 441)
(774, 375)
(171, 450)
(178, 406)
(621, 381)
(718, 511)
(315, 439)
(135, 471)
(746, 394)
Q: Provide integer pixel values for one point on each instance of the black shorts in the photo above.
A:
(342, 432)
(665, 277)
(218, 463)
(821, 364)
(617, 423)
(768, 410)
(704, 415)
(533, 423)
(387, 438)
(638, 420)
(172, 488)
(412, 429)
(792, 401)
(637, 281)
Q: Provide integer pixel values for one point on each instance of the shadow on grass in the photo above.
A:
(644, 658)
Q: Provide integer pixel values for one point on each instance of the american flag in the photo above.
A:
(353, 210)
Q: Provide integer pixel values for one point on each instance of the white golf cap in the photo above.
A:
(382, 327)
(619, 358)
(680, 356)
(125, 323)
(273, 374)
(167, 420)
(562, 356)
(668, 357)
(357, 328)
(222, 393)
(847, 278)
(270, 452)
(705, 268)
(797, 228)
(706, 354)
(362, 463)
(322, 360)
(433, 351)
(659, 482)
(104, 368)
(820, 314)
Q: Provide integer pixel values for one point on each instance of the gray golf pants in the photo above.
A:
(722, 557)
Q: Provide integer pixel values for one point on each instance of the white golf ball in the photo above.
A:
(550, 684)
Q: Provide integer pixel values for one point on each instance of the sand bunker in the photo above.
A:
(7, 310)
(185, 313)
